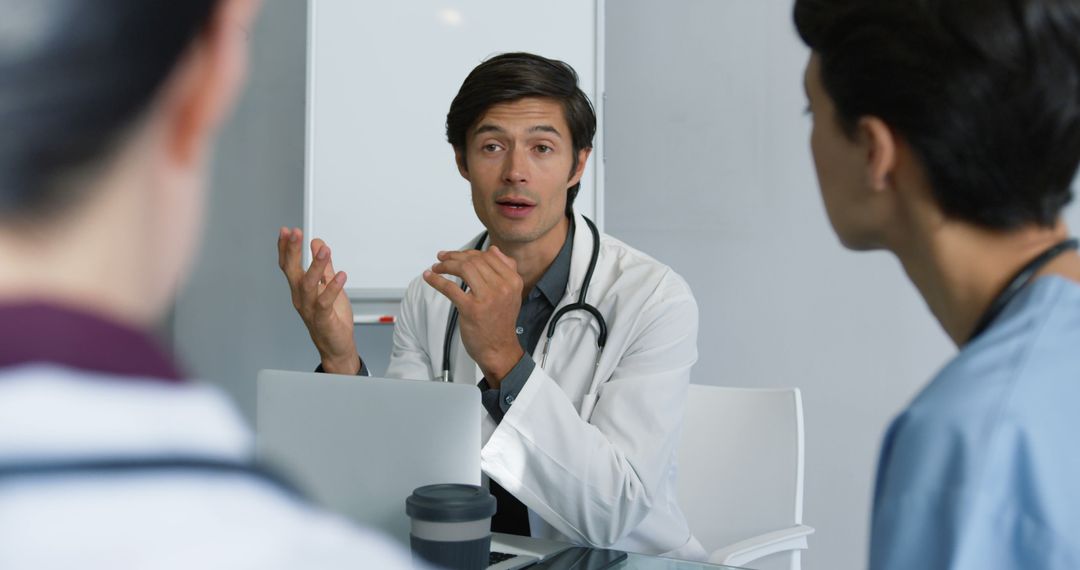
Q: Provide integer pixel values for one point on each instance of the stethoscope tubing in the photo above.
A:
(1018, 283)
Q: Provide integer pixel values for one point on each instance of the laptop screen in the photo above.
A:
(360, 445)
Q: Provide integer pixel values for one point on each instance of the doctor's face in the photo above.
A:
(519, 160)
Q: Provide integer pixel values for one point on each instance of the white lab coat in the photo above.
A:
(588, 448)
(176, 519)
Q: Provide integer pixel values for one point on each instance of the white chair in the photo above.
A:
(741, 475)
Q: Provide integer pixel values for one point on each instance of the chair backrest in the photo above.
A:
(741, 463)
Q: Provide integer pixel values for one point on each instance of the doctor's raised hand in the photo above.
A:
(487, 310)
(318, 295)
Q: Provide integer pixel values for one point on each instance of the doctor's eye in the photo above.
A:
(544, 149)
(490, 147)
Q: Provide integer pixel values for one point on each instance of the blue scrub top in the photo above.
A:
(983, 469)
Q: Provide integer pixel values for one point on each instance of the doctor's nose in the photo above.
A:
(515, 171)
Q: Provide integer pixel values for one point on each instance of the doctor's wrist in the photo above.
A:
(498, 366)
(350, 365)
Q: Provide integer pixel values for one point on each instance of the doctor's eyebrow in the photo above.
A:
(546, 129)
(489, 129)
(499, 130)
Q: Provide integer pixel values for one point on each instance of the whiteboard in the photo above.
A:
(381, 186)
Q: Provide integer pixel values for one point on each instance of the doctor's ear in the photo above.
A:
(462, 166)
(879, 142)
(579, 168)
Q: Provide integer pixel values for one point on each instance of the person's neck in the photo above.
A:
(960, 269)
(90, 257)
(535, 257)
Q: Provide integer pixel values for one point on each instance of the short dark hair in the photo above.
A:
(75, 78)
(512, 76)
(986, 92)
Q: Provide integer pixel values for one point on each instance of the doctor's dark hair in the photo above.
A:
(986, 93)
(512, 76)
(75, 76)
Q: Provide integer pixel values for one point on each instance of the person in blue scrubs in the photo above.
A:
(948, 133)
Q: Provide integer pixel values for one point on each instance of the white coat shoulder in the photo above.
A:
(629, 266)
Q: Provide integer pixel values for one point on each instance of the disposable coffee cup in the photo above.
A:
(451, 525)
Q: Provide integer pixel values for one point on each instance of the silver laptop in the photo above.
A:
(360, 445)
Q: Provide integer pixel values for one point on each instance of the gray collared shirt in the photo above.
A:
(536, 309)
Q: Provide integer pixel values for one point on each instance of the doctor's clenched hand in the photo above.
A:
(318, 295)
(488, 311)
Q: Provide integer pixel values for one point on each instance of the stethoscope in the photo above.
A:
(580, 305)
(120, 466)
(1019, 281)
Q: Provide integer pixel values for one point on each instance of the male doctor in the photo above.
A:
(580, 447)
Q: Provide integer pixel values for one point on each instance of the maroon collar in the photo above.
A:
(47, 333)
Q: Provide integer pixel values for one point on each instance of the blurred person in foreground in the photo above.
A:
(108, 458)
(948, 132)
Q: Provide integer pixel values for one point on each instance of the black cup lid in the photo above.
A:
(450, 502)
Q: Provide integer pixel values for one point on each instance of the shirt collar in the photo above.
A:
(553, 283)
(41, 332)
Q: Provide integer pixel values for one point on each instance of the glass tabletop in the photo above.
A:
(643, 562)
(559, 555)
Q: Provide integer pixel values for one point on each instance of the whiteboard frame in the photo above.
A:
(375, 295)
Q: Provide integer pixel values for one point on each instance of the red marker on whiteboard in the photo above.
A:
(374, 319)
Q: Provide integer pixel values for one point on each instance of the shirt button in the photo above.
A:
(509, 399)
(520, 330)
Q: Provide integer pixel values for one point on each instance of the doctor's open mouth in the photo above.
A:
(515, 207)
